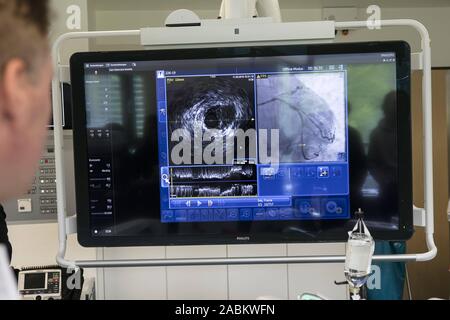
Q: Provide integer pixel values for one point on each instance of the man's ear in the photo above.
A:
(15, 84)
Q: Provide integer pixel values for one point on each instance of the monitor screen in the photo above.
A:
(35, 281)
(242, 145)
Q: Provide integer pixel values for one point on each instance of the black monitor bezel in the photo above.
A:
(403, 66)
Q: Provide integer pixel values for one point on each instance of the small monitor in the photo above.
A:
(34, 281)
(40, 284)
(231, 145)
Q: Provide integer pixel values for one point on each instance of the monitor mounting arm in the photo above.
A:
(246, 9)
(274, 33)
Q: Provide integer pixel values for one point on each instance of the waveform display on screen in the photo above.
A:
(237, 172)
(213, 190)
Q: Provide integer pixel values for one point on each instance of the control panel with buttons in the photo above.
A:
(39, 202)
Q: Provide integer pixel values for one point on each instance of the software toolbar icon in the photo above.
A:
(323, 172)
(160, 74)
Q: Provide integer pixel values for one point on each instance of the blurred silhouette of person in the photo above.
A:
(382, 155)
(383, 165)
(358, 164)
(4, 233)
(25, 76)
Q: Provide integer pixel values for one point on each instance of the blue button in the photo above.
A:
(315, 212)
(181, 216)
(331, 207)
(165, 177)
(161, 92)
(259, 214)
(336, 172)
(160, 74)
(282, 172)
(194, 215)
(286, 213)
(272, 213)
(162, 106)
(335, 207)
(307, 208)
(233, 203)
(188, 203)
(161, 95)
(232, 214)
(220, 214)
(311, 172)
(204, 215)
(304, 206)
(174, 204)
(298, 172)
(245, 214)
(167, 216)
(268, 173)
(323, 172)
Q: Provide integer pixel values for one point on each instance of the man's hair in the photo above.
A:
(24, 28)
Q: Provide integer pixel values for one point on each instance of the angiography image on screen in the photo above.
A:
(309, 109)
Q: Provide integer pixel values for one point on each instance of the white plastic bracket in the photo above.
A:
(419, 217)
(236, 31)
(417, 61)
(71, 224)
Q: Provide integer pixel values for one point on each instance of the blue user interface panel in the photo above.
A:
(253, 143)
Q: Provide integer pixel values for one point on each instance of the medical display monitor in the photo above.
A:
(242, 145)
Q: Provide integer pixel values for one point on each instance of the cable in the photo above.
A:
(408, 283)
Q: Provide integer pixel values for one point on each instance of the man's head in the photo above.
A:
(25, 76)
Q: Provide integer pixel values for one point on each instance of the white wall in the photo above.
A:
(436, 19)
(37, 245)
(223, 282)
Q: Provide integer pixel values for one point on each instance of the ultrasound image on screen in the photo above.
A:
(309, 109)
(220, 173)
(218, 189)
(206, 103)
(213, 181)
